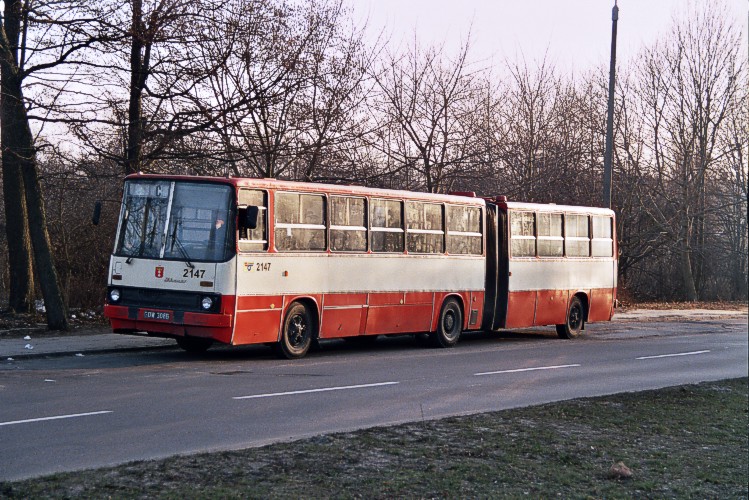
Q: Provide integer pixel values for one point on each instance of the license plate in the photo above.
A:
(158, 315)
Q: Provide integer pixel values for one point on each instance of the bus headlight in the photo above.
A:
(114, 295)
(206, 303)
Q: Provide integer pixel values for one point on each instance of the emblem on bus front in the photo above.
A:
(159, 272)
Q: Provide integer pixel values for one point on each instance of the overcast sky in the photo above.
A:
(574, 34)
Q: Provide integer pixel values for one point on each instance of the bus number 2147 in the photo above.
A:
(193, 273)
(257, 266)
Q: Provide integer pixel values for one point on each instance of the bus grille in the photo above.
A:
(166, 299)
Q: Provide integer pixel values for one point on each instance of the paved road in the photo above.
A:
(70, 413)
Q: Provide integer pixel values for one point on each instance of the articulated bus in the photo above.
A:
(245, 261)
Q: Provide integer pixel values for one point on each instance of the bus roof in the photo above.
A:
(264, 183)
(546, 207)
(316, 187)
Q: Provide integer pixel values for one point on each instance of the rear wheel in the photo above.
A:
(450, 325)
(194, 345)
(575, 320)
(298, 332)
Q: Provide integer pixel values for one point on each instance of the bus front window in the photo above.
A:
(143, 219)
(198, 225)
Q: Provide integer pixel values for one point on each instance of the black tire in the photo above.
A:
(298, 332)
(194, 345)
(575, 320)
(450, 325)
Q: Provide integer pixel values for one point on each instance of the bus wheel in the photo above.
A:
(575, 320)
(450, 325)
(194, 345)
(298, 332)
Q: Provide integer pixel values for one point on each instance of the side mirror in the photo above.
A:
(251, 216)
(97, 213)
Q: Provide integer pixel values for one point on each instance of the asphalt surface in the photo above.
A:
(86, 401)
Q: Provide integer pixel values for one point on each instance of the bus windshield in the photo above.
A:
(187, 221)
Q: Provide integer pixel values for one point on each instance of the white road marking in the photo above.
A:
(518, 370)
(673, 355)
(58, 417)
(324, 389)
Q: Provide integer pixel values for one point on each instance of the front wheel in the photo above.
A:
(575, 320)
(298, 332)
(450, 325)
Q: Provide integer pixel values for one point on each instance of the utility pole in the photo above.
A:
(610, 115)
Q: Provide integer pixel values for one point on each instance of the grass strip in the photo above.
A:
(679, 442)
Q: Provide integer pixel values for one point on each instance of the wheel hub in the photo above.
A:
(298, 330)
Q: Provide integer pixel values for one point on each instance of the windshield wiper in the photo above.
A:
(179, 246)
(130, 258)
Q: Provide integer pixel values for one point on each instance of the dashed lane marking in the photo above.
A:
(518, 370)
(692, 353)
(56, 417)
(323, 389)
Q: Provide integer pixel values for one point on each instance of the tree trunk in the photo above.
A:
(44, 262)
(16, 223)
(137, 81)
(18, 145)
(690, 292)
(17, 233)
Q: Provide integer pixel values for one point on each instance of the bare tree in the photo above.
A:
(428, 103)
(63, 33)
(16, 228)
(291, 77)
(688, 84)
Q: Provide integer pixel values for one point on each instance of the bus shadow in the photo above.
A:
(218, 354)
(384, 343)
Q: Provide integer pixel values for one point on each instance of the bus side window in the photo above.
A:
(550, 235)
(576, 240)
(464, 230)
(523, 234)
(300, 222)
(387, 225)
(602, 243)
(426, 232)
(348, 224)
(252, 240)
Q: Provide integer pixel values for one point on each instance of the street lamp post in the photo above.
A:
(610, 115)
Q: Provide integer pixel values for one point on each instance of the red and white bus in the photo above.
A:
(244, 261)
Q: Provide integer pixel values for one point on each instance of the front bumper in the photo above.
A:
(130, 319)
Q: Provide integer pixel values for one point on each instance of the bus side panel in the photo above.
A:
(357, 293)
(421, 306)
(551, 307)
(258, 319)
(342, 314)
(521, 308)
(474, 311)
(601, 302)
(388, 313)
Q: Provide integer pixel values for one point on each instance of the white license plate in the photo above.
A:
(159, 315)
